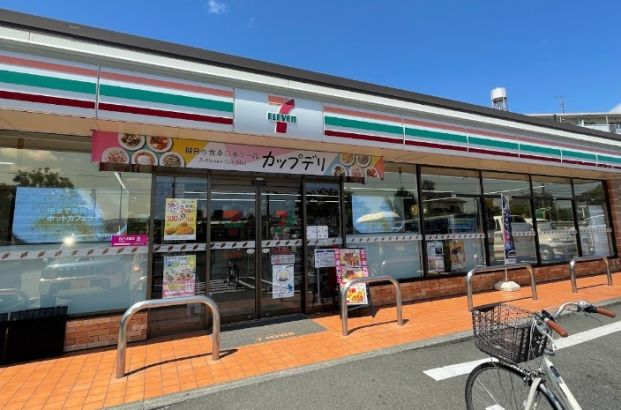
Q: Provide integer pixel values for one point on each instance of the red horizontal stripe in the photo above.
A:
(571, 161)
(366, 137)
(538, 158)
(46, 99)
(433, 145)
(490, 152)
(163, 113)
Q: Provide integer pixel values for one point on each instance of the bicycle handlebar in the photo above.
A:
(584, 306)
(557, 328)
(604, 312)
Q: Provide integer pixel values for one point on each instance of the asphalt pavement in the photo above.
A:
(397, 380)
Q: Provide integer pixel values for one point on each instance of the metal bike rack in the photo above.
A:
(147, 304)
(472, 272)
(369, 279)
(576, 259)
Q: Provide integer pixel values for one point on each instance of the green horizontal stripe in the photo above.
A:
(577, 154)
(434, 135)
(42, 81)
(163, 98)
(363, 125)
(540, 150)
(493, 143)
(606, 158)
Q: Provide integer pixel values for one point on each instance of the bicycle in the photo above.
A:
(513, 336)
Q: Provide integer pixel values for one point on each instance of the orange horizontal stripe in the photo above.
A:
(345, 111)
(166, 84)
(23, 62)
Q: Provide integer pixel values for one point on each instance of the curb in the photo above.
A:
(175, 398)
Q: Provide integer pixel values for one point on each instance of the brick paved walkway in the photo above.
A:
(85, 380)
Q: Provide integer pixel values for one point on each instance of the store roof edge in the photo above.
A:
(113, 38)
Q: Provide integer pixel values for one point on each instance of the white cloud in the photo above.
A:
(616, 108)
(215, 7)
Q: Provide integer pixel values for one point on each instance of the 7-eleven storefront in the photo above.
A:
(132, 169)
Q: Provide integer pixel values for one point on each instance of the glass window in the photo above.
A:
(58, 214)
(452, 220)
(556, 230)
(496, 183)
(552, 187)
(521, 227)
(448, 181)
(376, 210)
(593, 221)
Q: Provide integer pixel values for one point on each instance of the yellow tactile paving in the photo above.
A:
(85, 380)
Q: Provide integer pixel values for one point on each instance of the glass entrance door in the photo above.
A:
(232, 281)
(281, 251)
(256, 249)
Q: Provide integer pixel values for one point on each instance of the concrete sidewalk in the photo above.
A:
(85, 380)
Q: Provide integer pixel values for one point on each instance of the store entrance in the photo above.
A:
(255, 261)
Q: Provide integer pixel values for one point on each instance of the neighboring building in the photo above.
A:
(601, 121)
(133, 168)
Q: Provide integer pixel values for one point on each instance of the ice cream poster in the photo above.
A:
(180, 219)
(179, 276)
(350, 264)
(282, 281)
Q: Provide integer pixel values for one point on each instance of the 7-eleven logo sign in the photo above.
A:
(283, 116)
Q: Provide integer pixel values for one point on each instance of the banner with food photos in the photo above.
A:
(163, 151)
(350, 264)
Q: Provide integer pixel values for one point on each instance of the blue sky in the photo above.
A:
(539, 50)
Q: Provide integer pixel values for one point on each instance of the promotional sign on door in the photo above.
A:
(282, 281)
(180, 219)
(179, 276)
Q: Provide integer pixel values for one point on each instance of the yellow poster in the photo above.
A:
(180, 219)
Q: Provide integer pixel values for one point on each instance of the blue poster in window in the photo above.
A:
(377, 213)
(51, 215)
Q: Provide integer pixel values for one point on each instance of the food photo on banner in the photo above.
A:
(179, 276)
(350, 264)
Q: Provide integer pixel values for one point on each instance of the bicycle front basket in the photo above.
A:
(506, 333)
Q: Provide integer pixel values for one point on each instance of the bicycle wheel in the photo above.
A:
(495, 386)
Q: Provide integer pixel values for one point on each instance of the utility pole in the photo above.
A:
(561, 99)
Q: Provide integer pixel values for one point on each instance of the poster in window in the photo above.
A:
(435, 256)
(179, 276)
(350, 264)
(458, 254)
(377, 213)
(180, 219)
(282, 281)
(57, 215)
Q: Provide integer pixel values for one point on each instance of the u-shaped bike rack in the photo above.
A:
(155, 303)
(576, 259)
(472, 272)
(369, 279)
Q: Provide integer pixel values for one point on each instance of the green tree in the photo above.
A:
(42, 178)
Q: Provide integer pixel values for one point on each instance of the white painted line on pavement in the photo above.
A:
(454, 370)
